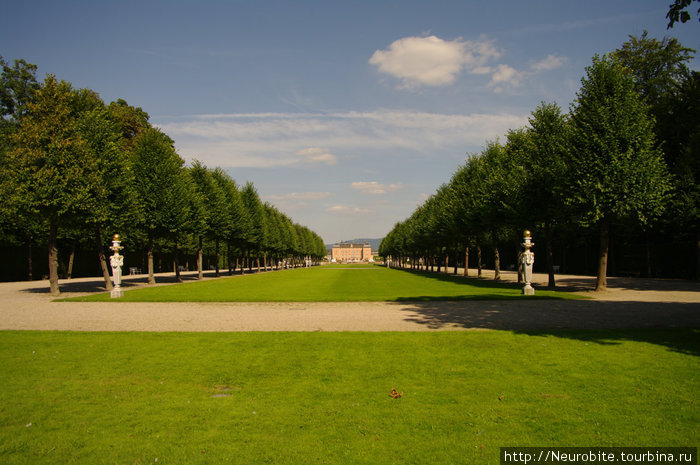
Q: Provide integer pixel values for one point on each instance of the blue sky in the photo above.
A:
(345, 115)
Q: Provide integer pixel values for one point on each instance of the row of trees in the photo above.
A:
(625, 156)
(72, 167)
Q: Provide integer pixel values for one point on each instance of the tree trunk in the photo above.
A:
(71, 258)
(177, 264)
(550, 259)
(151, 278)
(601, 281)
(519, 254)
(218, 256)
(53, 257)
(229, 259)
(496, 264)
(200, 256)
(648, 250)
(478, 264)
(29, 260)
(466, 261)
(697, 252)
(103, 260)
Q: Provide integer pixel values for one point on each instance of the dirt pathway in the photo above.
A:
(629, 303)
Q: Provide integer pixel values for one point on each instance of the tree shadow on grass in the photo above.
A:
(569, 283)
(596, 321)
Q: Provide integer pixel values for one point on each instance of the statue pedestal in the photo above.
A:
(116, 293)
(528, 290)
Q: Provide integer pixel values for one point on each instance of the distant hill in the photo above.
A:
(374, 243)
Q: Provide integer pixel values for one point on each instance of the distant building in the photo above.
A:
(346, 252)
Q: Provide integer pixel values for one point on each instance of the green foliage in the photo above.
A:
(657, 66)
(677, 11)
(69, 161)
(617, 171)
(51, 167)
(239, 220)
(161, 184)
(18, 85)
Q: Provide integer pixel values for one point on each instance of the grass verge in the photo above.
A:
(291, 398)
(359, 283)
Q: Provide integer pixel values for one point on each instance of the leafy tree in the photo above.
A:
(657, 67)
(51, 171)
(18, 85)
(162, 188)
(546, 165)
(677, 11)
(217, 220)
(662, 76)
(257, 233)
(239, 222)
(132, 121)
(617, 172)
(114, 208)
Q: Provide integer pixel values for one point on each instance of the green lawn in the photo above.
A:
(331, 283)
(307, 398)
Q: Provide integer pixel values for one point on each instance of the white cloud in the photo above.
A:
(505, 76)
(374, 188)
(266, 140)
(317, 155)
(548, 64)
(432, 61)
(345, 210)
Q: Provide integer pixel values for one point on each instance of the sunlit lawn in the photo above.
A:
(330, 283)
(305, 398)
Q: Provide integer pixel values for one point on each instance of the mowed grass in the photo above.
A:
(324, 398)
(332, 283)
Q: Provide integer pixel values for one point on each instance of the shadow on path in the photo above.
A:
(599, 320)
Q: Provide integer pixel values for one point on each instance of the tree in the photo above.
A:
(162, 188)
(239, 223)
(50, 170)
(132, 121)
(18, 85)
(617, 171)
(662, 77)
(257, 234)
(545, 163)
(677, 11)
(657, 67)
(215, 215)
(114, 207)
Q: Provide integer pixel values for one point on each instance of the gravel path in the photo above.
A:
(629, 303)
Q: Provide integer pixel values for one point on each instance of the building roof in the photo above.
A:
(345, 245)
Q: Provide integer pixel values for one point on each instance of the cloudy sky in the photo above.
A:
(345, 115)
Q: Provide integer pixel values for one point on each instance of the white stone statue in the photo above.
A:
(116, 261)
(527, 260)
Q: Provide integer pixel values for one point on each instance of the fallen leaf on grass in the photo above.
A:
(394, 394)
